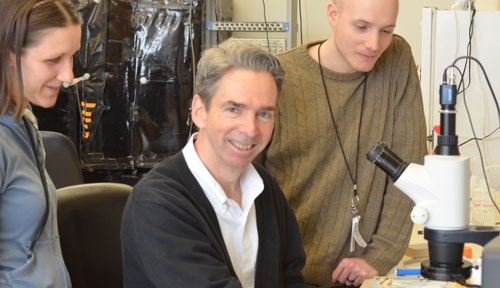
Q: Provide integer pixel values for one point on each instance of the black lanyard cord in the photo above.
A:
(354, 178)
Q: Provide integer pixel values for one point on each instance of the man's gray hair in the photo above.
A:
(219, 60)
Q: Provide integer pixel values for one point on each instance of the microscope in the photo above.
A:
(440, 190)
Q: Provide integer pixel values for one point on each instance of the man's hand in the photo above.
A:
(352, 272)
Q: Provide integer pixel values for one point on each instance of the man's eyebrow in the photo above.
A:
(241, 105)
(361, 21)
(236, 104)
(268, 108)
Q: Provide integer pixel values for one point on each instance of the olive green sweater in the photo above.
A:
(306, 160)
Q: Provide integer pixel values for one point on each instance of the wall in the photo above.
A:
(315, 24)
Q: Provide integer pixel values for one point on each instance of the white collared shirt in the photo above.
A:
(238, 224)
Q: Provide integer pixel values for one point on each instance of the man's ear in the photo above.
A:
(198, 111)
(332, 13)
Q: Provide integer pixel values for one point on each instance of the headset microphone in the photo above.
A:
(75, 81)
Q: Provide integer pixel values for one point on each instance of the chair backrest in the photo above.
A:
(89, 220)
(61, 161)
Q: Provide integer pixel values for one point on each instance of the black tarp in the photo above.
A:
(135, 104)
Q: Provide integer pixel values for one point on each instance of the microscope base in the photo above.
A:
(446, 273)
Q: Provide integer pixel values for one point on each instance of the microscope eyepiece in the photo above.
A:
(387, 160)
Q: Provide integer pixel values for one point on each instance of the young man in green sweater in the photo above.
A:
(339, 98)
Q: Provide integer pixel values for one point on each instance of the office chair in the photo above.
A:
(61, 159)
(89, 219)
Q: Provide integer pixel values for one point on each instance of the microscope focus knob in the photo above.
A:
(419, 215)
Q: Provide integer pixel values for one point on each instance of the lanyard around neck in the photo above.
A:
(354, 174)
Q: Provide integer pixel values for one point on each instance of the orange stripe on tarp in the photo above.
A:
(88, 105)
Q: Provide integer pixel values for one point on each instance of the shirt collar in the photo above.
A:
(251, 182)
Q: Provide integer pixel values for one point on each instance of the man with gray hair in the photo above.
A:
(207, 216)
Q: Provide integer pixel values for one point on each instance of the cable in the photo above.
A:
(300, 22)
(193, 59)
(460, 280)
(470, 139)
(454, 9)
(267, 28)
(468, 58)
(80, 110)
(306, 21)
(480, 155)
(469, 53)
(445, 75)
(191, 42)
(485, 76)
(215, 10)
(218, 17)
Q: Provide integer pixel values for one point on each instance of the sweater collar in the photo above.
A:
(311, 64)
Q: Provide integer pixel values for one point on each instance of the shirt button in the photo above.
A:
(248, 259)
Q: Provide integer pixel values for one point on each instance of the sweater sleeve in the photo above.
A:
(166, 239)
(408, 141)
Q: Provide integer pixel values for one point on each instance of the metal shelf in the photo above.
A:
(235, 26)
(212, 27)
